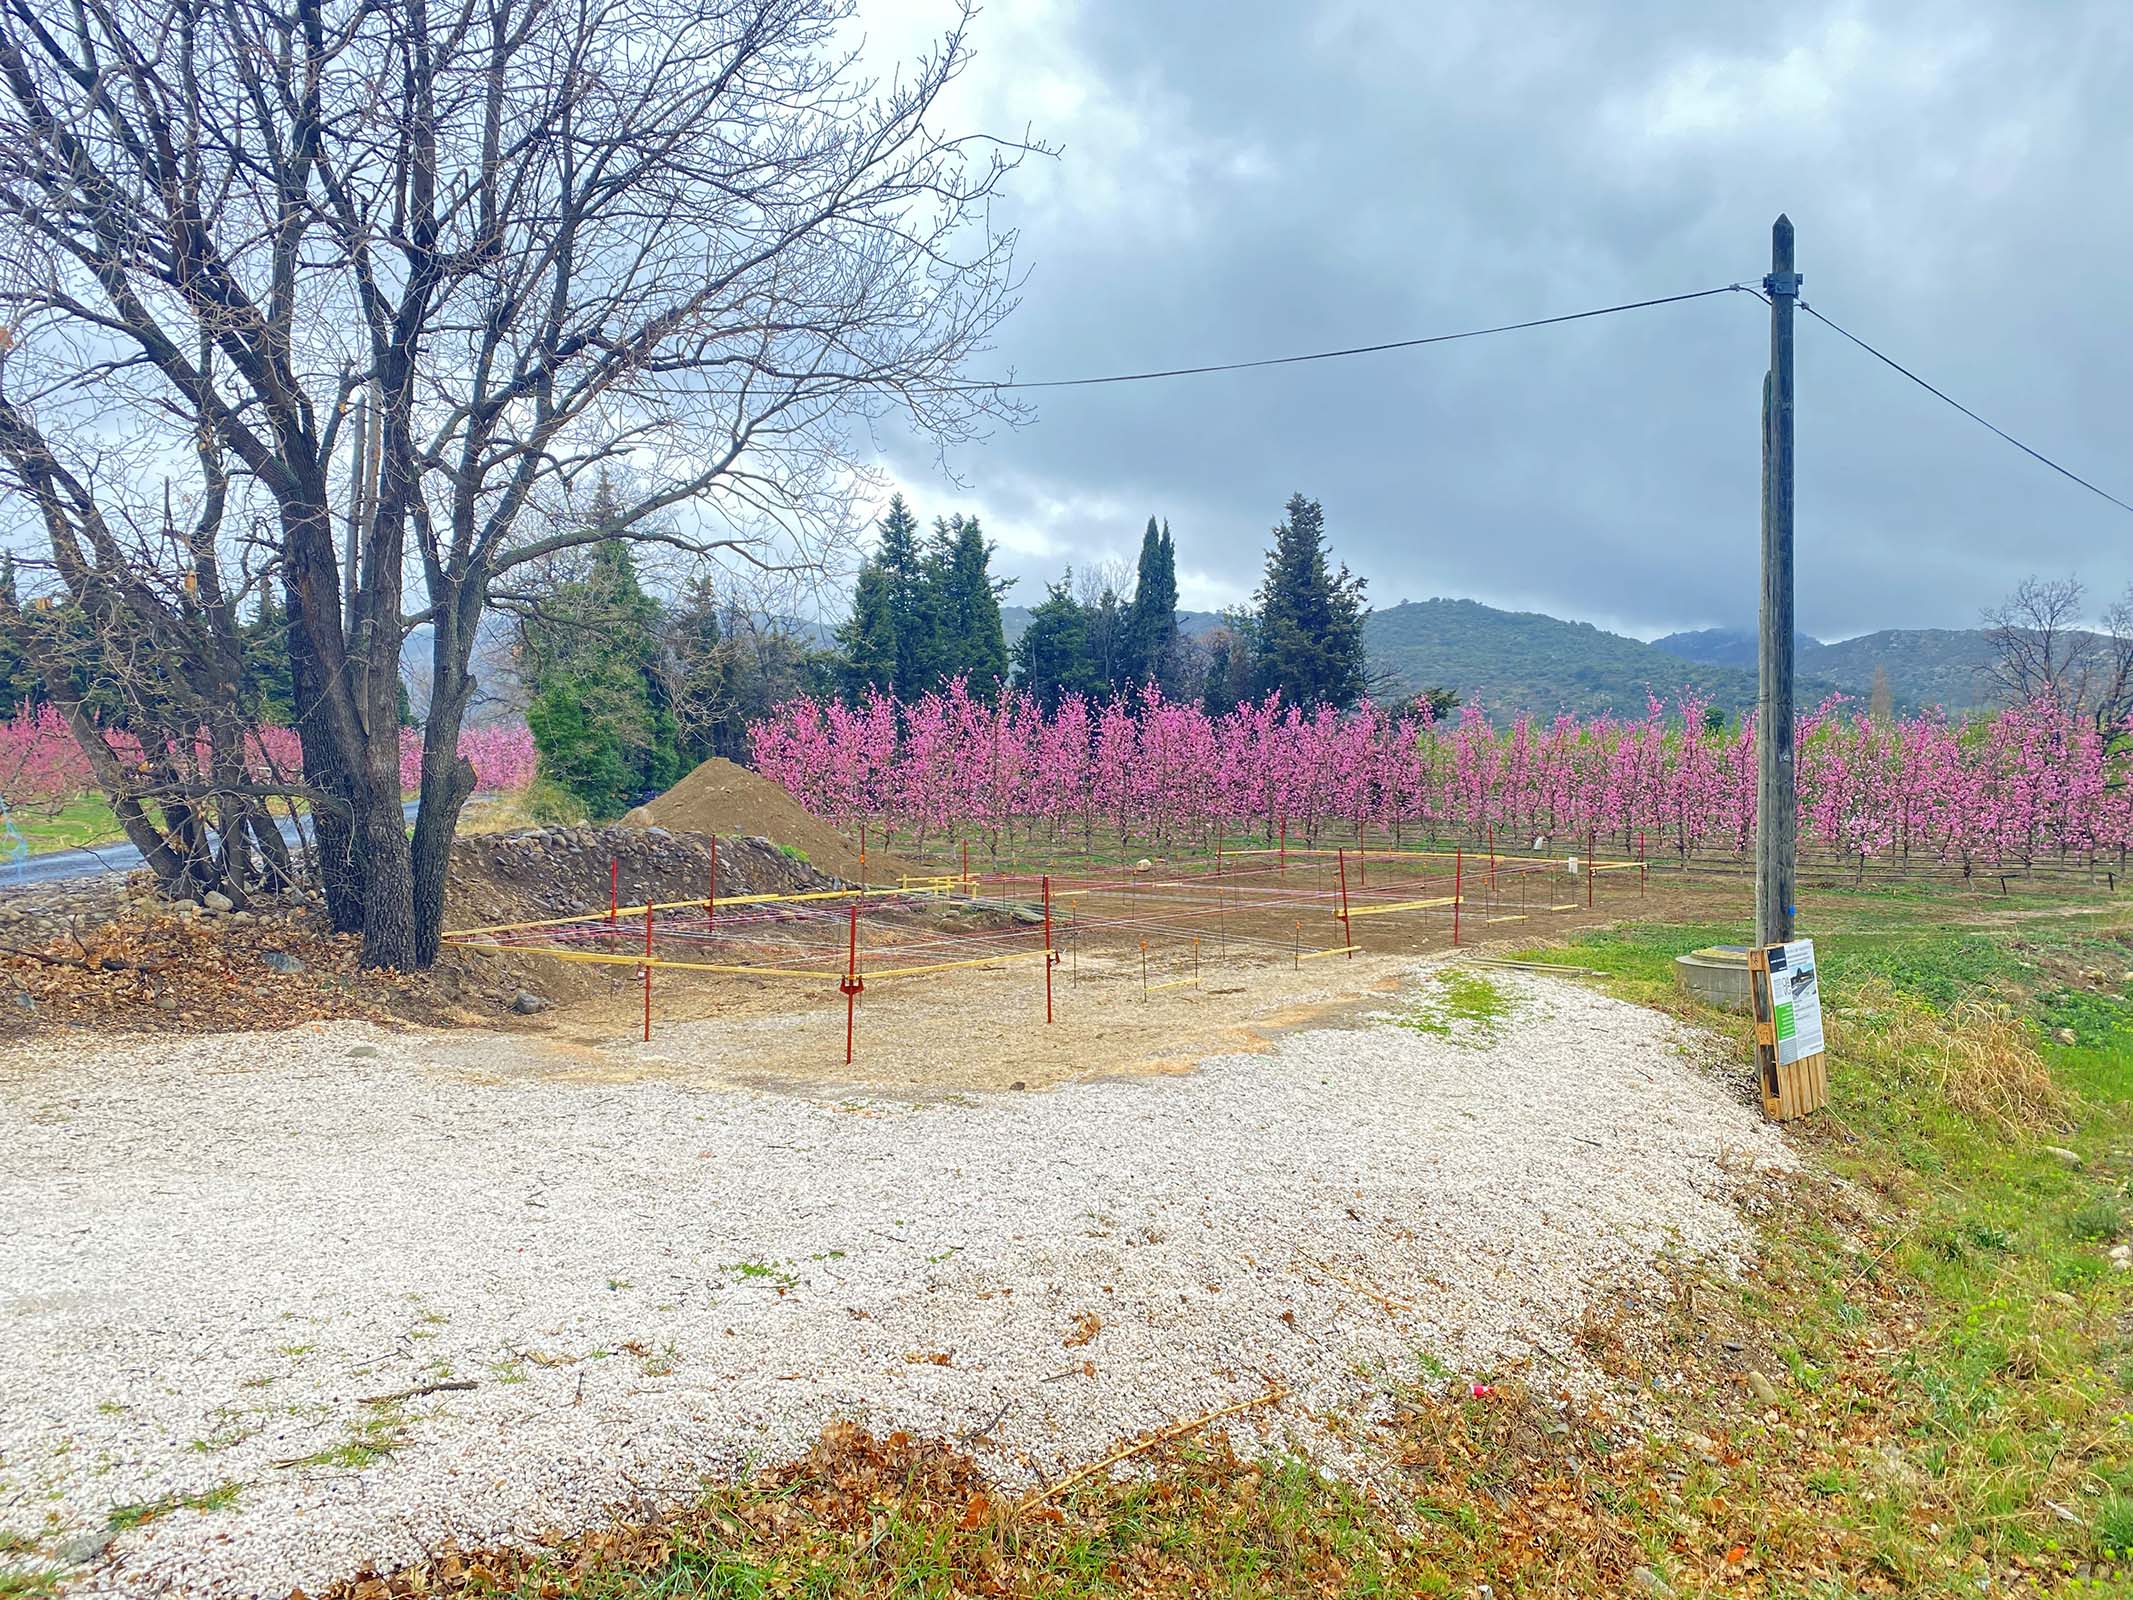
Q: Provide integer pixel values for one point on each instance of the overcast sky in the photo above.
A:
(1239, 178)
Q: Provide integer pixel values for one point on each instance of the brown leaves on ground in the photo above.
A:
(1086, 1327)
(146, 972)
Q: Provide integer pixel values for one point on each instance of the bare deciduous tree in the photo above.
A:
(2039, 649)
(414, 274)
(2114, 666)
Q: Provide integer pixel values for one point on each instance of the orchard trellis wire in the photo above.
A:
(1162, 925)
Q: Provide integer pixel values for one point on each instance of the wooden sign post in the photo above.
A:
(1786, 990)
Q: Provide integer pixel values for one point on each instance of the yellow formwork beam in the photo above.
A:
(1331, 950)
(601, 958)
(1405, 905)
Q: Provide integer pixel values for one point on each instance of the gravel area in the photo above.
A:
(212, 1251)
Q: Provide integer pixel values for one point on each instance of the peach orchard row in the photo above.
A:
(2027, 784)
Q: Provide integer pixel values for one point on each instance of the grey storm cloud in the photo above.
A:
(1239, 180)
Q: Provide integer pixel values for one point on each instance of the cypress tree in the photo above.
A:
(1310, 644)
(1151, 644)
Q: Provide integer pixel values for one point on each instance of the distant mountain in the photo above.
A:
(1511, 661)
(1925, 666)
(1726, 647)
(1943, 667)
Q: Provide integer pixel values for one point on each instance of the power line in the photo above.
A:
(1361, 349)
(1937, 394)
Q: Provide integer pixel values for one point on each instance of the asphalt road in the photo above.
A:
(62, 866)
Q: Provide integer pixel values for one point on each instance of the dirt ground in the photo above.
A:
(983, 1029)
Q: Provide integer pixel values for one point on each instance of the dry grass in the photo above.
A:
(1980, 1057)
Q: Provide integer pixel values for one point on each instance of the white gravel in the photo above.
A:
(211, 1249)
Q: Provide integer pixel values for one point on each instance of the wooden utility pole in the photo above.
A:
(1776, 809)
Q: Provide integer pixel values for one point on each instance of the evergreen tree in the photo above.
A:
(1052, 657)
(590, 652)
(724, 669)
(575, 751)
(19, 686)
(910, 584)
(264, 642)
(891, 641)
(969, 638)
(1150, 653)
(868, 637)
(1310, 644)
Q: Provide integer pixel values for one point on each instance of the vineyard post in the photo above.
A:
(1458, 883)
(1049, 958)
(1776, 818)
(1592, 840)
(614, 890)
(711, 905)
(648, 967)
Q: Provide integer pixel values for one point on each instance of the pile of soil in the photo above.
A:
(723, 797)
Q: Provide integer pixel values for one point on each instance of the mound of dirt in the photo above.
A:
(725, 798)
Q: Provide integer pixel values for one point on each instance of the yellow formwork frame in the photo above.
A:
(601, 958)
(619, 913)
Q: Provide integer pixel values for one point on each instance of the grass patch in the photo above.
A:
(542, 803)
(1466, 1007)
(84, 820)
(371, 1438)
(124, 1517)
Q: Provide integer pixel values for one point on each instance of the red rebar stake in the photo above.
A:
(1458, 883)
(1591, 839)
(711, 905)
(614, 889)
(1347, 928)
(647, 970)
(1051, 957)
(851, 984)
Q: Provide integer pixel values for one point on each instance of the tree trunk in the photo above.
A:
(447, 777)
